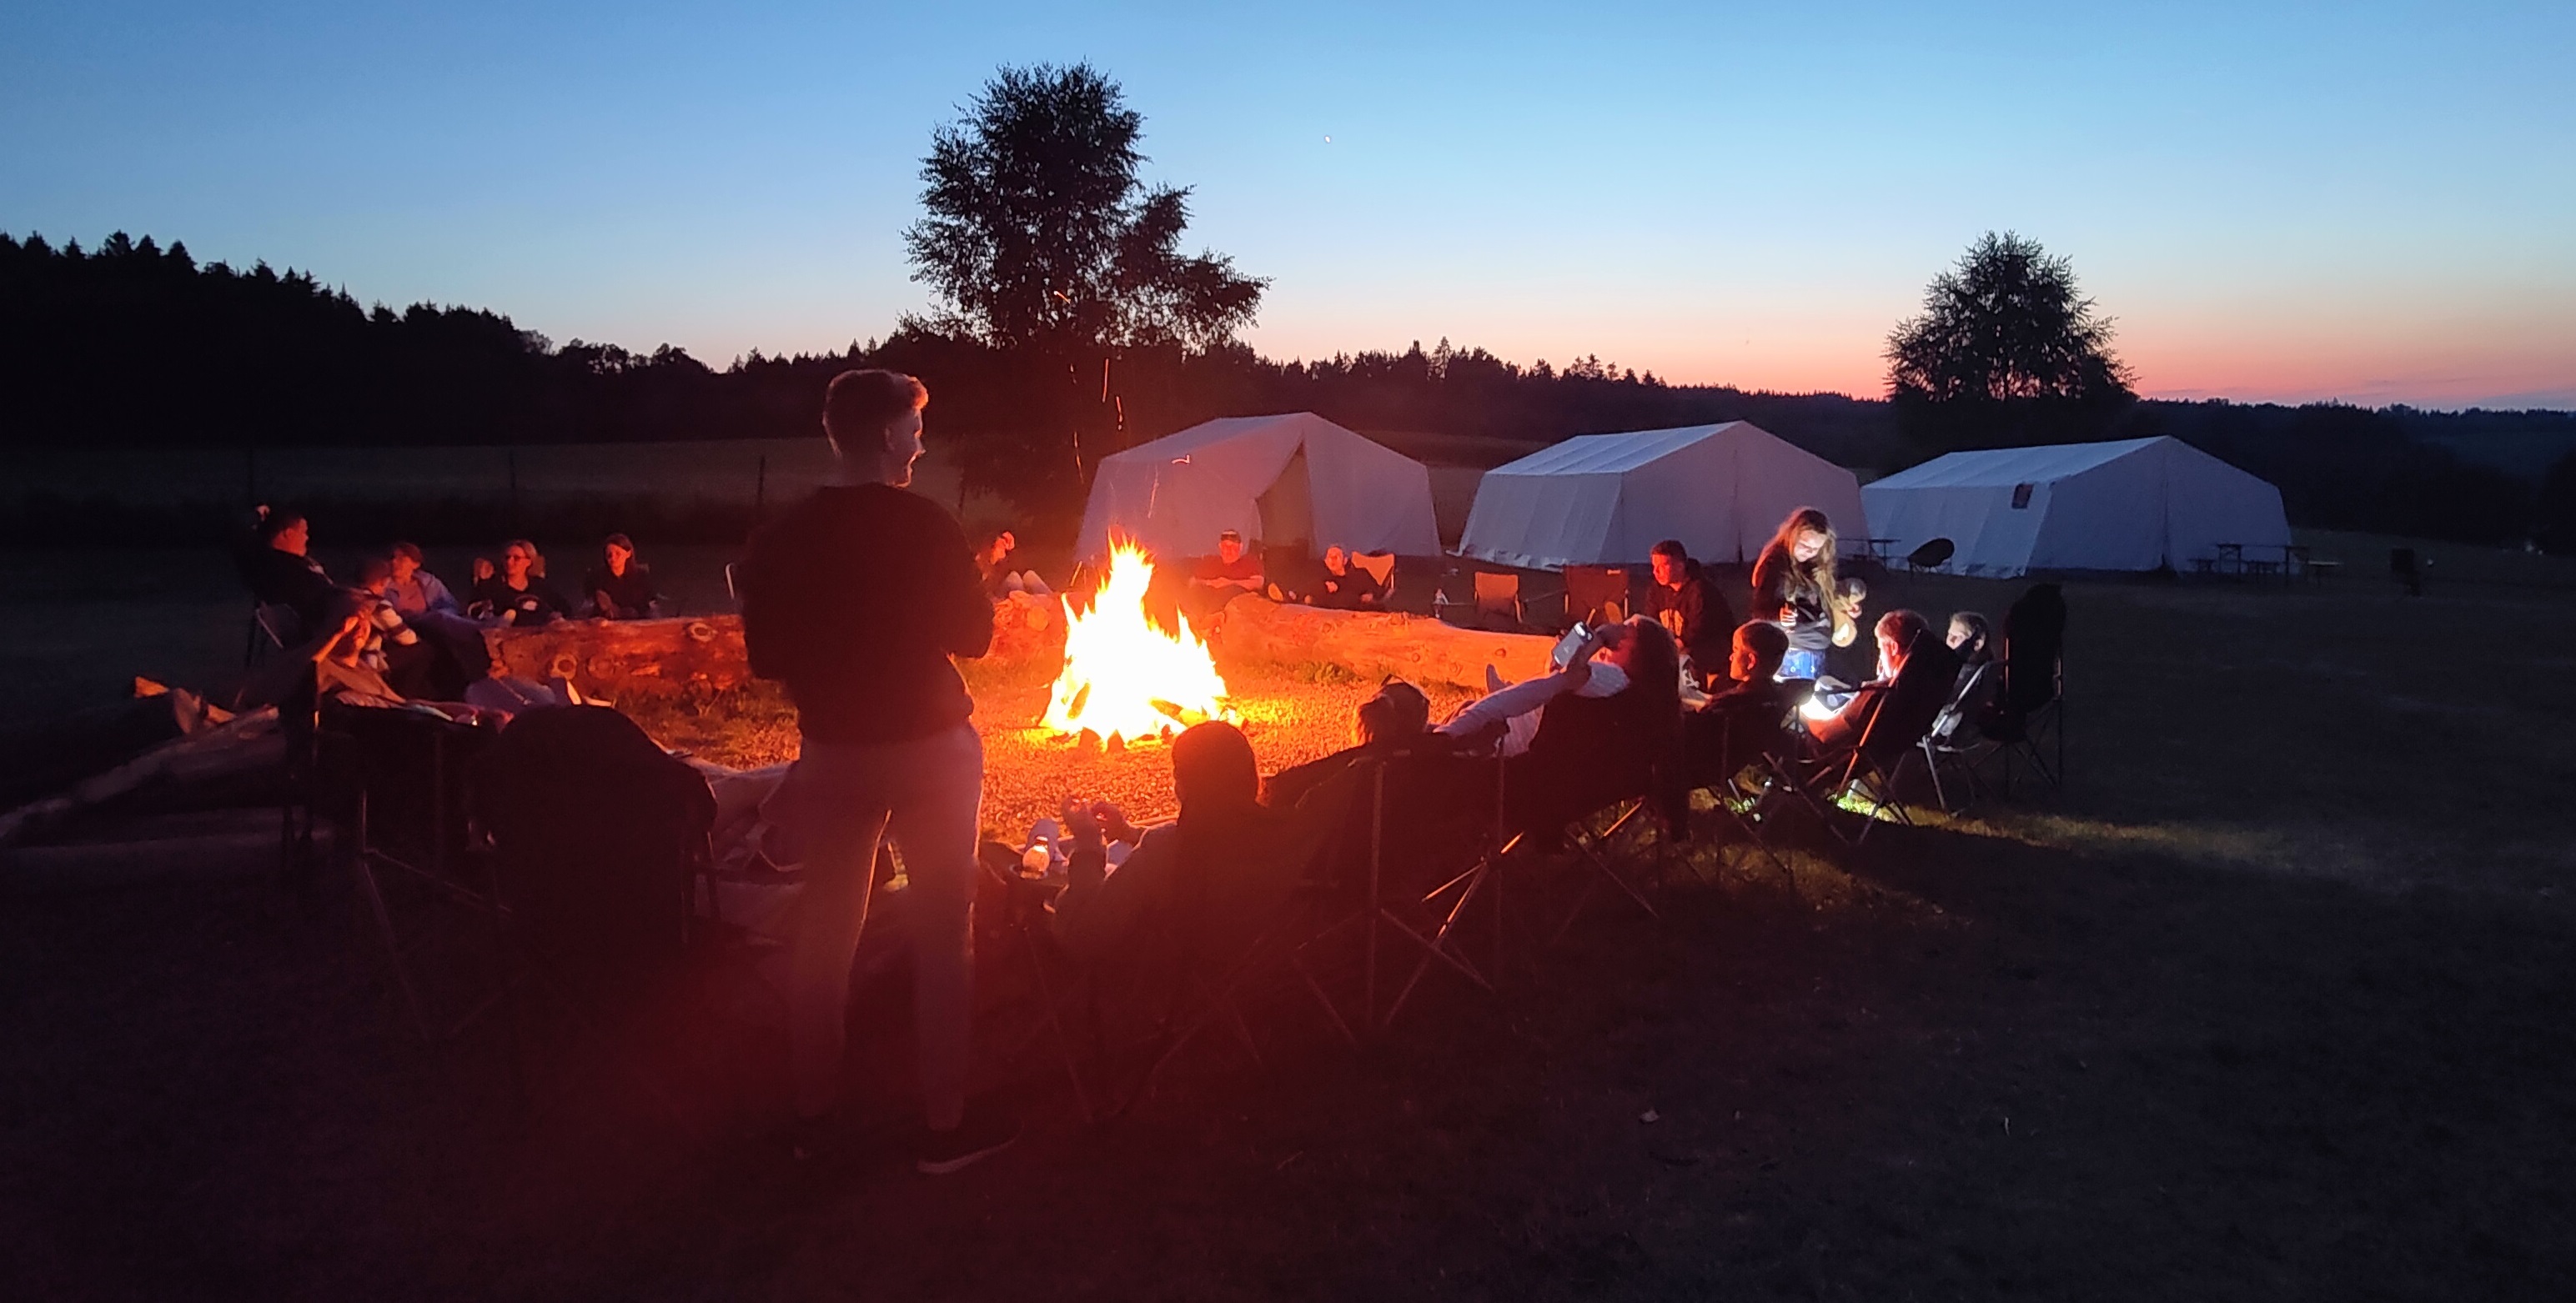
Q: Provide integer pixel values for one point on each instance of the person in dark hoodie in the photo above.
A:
(1689, 606)
(856, 599)
(275, 567)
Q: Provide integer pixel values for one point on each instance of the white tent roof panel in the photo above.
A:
(2011, 466)
(1607, 499)
(2133, 504)
(1177, 493)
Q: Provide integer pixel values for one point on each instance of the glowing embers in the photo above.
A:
(1124, 678)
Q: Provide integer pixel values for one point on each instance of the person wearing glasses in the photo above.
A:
(518, 595)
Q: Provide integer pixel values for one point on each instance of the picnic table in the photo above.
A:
(1877, 549)
(2294, 563)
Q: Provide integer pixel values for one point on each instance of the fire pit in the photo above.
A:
(1089, 718)
(1029, 768)
(1124, 678)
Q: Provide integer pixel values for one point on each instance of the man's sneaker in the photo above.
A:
(982, 1134)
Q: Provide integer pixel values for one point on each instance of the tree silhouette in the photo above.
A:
(2005, 352)
(1042, 242)
(136, 343)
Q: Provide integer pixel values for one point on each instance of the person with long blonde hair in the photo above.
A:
(519, 595)
(1794, 584)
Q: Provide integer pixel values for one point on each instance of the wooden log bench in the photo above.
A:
(620, 659)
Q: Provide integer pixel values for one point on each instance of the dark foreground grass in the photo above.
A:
(2272, 1003)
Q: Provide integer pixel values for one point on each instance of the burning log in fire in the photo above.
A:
(1123, 678)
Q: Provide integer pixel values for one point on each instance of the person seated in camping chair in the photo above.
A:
(1398, 715)
(1589, 751)
(1599, 667)
(1902, 636)
(1209, 883)
(1603, 726)
(274, 566)
(1345, 586)
(1980, 687)
(1842, 728)
(1747, 717)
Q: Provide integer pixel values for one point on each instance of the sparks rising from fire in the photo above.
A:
(1122, 676)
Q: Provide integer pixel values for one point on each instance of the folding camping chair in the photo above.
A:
(1597, 594)
(1719, 748)
(408, 819)
(1203, 973)
(1596, 840)
(1381, 567)
(274, 626)
(2030, 729)
(1944, 748)
(1879, 762)
(1436, 836)
(1498, 598)
(1429, 921)
(1563, 789)
(1934, 555)
(597, 842)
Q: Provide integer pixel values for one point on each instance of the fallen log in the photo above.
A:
(619, 659)
(616, 660)
(1372, 644)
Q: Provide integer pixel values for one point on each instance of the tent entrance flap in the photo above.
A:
(1288, 507)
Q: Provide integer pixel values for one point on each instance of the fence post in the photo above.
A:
(760, 489)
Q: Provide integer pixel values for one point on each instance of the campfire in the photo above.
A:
(1125, 679)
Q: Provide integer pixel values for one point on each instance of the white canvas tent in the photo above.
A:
(1607, 499)
(1280, 480)
(2135, 504)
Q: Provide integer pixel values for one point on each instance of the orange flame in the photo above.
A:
(1122, 676)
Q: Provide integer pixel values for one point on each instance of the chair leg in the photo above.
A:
(363, 870)
(1748, 823)
(1055, 1024)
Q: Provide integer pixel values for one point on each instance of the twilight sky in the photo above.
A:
(2366, 201)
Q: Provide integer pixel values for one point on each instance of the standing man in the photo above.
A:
(857, 598)
(1684, 602)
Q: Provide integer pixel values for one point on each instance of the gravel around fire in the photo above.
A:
(1029, 772)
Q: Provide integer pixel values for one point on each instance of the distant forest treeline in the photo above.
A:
(135, 344)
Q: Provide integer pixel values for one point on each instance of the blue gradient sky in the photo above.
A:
(2367, 201)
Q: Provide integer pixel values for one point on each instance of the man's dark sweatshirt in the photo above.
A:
(856, 599)
(1707, 634)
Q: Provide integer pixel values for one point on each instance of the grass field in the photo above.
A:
(2270, 1003)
